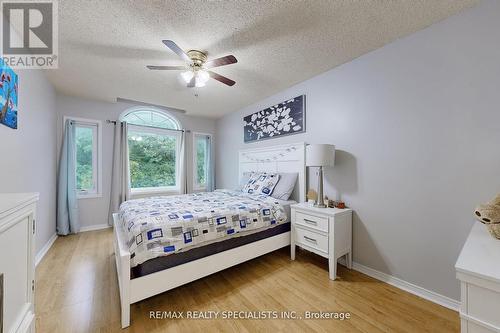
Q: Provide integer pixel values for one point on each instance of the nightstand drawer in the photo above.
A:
(312, 221)
(311, 239)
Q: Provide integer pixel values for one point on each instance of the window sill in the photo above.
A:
(89, 196)
(140, 193)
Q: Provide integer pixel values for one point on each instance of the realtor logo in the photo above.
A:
(29, 34)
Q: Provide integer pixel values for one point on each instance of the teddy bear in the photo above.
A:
(489, 214)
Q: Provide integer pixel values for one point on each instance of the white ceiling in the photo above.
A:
(104, 46)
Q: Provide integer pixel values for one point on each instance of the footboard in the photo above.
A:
(122, 257)
(132, 291)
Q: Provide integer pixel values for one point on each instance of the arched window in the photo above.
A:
(150, 117)
(154, 143)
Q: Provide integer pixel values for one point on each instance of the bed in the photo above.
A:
(219, 229)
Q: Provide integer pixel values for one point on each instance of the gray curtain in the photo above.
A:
(210, 165)
(120, 176)
(67, 201)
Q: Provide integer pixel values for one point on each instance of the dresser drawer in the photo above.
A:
(483, 304)
(312, 239)
(312, 221)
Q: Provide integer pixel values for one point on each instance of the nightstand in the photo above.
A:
(324, 231)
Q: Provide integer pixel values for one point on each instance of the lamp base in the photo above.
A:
(320, 202)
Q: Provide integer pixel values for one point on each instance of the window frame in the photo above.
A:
(166, 132)
(196, 185)
(153, 110)
(96, 192)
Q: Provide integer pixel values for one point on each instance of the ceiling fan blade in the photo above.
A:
(192, 83)
(174, 47)
(227, 60)
(166, 68)
(221, 78)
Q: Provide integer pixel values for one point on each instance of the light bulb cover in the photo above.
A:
(203, 75)
(187, 76)
(199, 83)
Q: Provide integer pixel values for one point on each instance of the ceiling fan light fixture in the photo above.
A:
(194, 72)
(201, 78)
(187, 76)
(203, 75)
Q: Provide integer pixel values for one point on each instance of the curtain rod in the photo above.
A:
(168, 129)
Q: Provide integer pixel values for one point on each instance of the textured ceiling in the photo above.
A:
(105, 45)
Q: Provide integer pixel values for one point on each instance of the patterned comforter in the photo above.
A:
(160, 226)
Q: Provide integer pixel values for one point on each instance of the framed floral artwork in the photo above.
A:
(285, 118)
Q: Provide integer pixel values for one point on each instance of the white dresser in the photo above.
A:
(478, 269)
(324, 231)
(17, 268)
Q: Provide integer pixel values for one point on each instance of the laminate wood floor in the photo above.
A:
(77, 291)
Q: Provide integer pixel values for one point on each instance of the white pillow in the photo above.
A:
(283, 190)
(261, 183)
(245, 177)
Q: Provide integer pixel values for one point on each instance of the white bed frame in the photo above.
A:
(282, 158)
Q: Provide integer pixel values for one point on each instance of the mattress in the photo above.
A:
(162, 226)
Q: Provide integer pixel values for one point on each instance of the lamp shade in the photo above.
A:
(320, 155)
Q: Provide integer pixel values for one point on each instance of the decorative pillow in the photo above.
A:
(284, 188)
(261, 183)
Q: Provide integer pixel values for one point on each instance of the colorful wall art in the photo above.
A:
(8, 96)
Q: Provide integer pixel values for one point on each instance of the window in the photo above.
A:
(201, 160)
(154, 148)
(152, 118)
(87, 151)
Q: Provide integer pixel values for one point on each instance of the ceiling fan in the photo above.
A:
(196, 73)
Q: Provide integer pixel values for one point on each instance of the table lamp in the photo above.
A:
(320, 155)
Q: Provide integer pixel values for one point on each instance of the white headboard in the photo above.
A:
(281, 158)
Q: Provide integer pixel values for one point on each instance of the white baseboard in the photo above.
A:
(409, 287)
(94, 227)
(43, 251)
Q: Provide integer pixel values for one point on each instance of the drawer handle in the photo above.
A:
(310, 222)
(309, 239)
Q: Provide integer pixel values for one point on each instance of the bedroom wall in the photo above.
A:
(28, 154)
(94, 211)
(417, 128)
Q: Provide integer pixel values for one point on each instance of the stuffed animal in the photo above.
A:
(489, 214)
